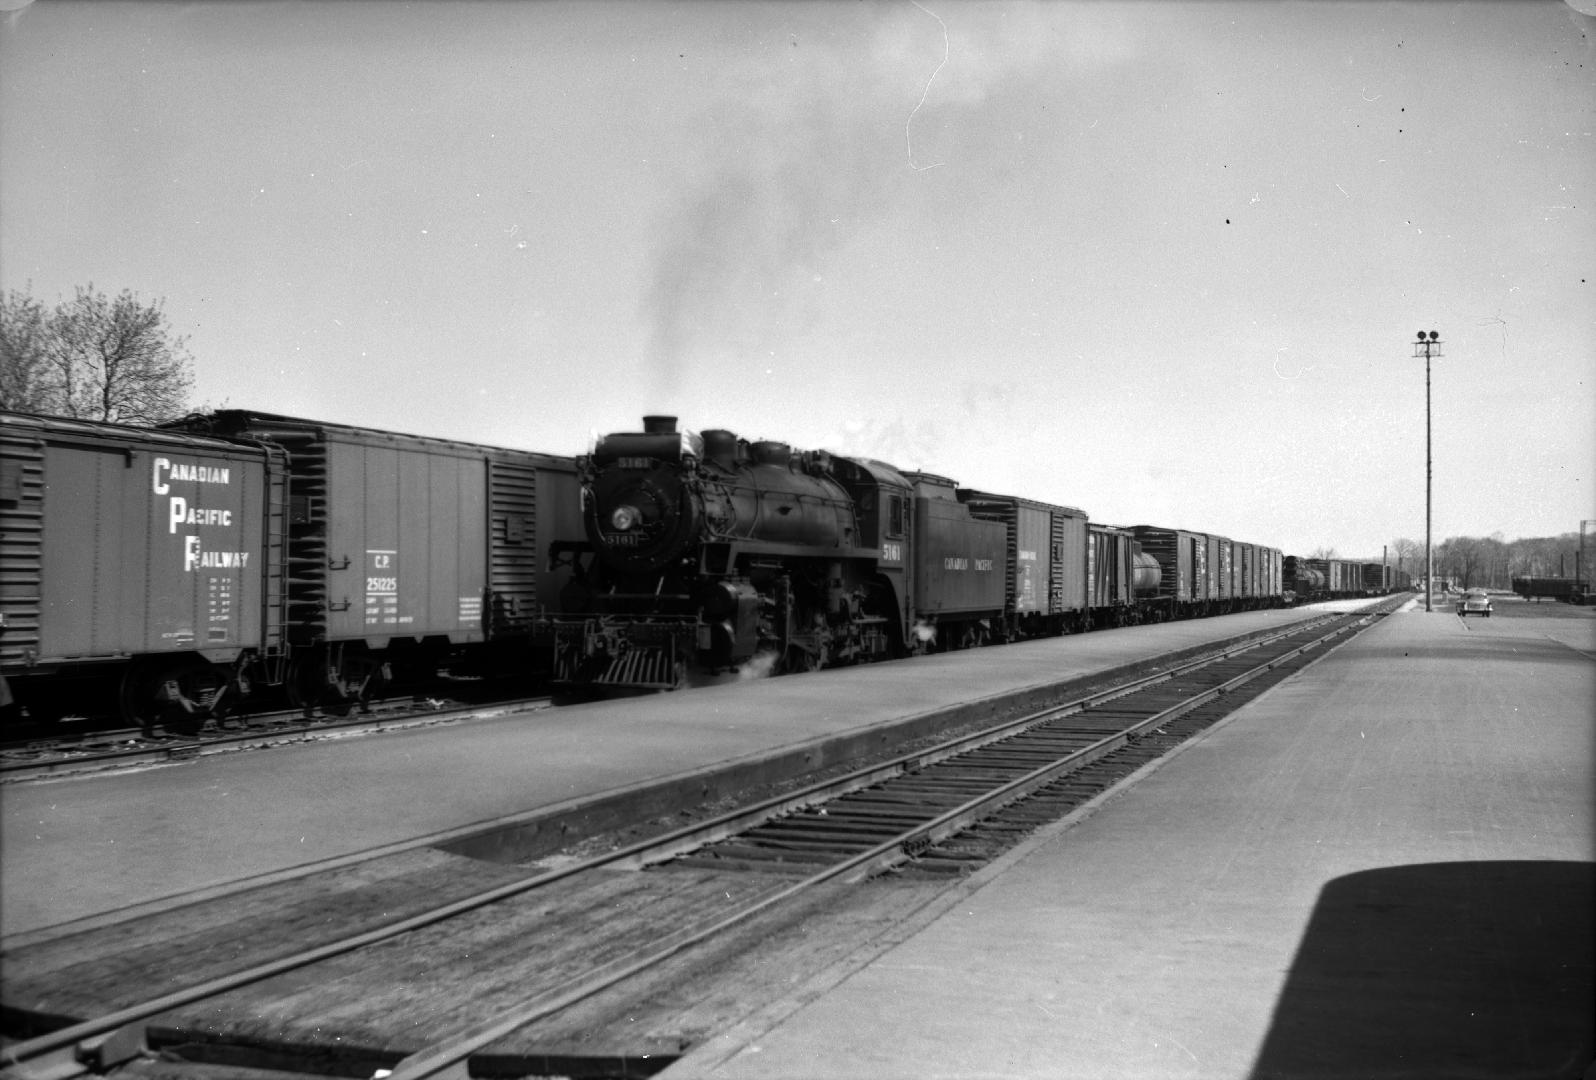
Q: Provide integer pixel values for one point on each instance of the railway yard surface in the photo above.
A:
(78, 848)
(1381, 867)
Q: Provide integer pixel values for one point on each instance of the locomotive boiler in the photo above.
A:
(710, 552)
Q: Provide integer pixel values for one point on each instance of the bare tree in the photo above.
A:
(94, 358)
(1322, 553)
(25, 384)
(1404, 550)
(115, 359)
(1463, 557)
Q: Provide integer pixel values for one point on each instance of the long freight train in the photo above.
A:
(177, 573)
(710, 552)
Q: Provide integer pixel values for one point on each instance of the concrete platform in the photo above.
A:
(85, 848)
(1381, 868)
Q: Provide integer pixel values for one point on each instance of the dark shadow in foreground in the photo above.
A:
(1479, 969)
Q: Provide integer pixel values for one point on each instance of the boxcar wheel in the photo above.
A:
(314, 684)
(173, 695)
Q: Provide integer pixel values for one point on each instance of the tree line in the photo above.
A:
(1491, 562)
(1487, 562)
(93, 357)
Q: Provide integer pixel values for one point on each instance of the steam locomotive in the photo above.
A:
(708, 552)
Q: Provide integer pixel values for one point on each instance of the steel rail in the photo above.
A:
(185, 748)
(660, 848)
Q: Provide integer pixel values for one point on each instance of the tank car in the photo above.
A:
(1341, 579)
(711, 552)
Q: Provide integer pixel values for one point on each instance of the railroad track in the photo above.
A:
(126, 748)
(484, 980)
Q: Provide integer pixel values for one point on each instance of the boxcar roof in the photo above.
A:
(965, 494)
(66, 428)
(238, 421)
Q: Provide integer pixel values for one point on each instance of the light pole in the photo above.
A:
(1427, 345)
(1582, 566)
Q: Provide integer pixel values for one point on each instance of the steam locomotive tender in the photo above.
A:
(708, 552)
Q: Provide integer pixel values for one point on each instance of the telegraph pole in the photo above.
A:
(1427, 345)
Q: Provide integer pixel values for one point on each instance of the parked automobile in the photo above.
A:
(1474, 602)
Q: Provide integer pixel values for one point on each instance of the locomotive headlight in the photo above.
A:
(624, 518)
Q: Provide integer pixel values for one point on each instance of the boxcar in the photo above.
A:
(1119, 576)
(1110, 574)
(141, 569)
(1221, 589)
(402, 549)
(1259, 575)
(1273, 573)
(1244, 573)
(1044, 562)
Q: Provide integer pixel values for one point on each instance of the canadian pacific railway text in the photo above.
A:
(179, 512)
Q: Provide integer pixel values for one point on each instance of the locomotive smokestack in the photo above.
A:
(659, 425)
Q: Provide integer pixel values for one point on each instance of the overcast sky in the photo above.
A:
(1162, 261)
